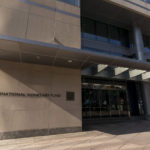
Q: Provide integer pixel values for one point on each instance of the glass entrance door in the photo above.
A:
(104, 101)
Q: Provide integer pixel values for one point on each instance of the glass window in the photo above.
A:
(88, 28)
(124, 38)
(72, 2)
(146, 40)
(102, 31)
(114, 35)
(96, 30)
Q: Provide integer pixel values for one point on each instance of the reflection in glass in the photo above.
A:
(99, 31)
(101, 100)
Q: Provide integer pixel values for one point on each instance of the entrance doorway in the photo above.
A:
(111, 98)
(104, 101)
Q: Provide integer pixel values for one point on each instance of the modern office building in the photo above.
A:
(63, 62)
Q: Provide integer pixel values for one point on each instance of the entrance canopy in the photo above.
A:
(27, 51)
(122, 73)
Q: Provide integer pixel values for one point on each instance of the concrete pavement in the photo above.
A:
(131, 135)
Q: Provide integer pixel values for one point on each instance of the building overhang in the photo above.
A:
(28, 51)
(108, 11)
(137, 6)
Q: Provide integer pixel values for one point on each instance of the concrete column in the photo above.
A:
(146, 96)
(139, 45)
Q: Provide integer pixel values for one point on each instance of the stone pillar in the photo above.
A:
(146, 96)
(139, 45)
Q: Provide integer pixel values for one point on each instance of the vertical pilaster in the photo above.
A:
(139, 44)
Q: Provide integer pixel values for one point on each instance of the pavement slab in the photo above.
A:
(130, 135)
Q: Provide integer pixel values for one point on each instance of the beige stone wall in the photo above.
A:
(52, 21)
(27, 113)
(134, 5)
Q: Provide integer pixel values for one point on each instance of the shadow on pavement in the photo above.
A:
(119, 128)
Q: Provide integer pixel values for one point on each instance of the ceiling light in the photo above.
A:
(70, 61)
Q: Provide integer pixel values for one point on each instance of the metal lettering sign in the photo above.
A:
(29, 94)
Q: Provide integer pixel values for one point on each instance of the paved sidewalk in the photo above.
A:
(133, 135)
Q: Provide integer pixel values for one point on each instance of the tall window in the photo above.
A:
(114, 35)
(146, 40)
(124, 38)
(102, 32)
(88, 27)
(96, 30)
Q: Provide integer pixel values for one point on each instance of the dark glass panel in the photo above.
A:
(88, 28)
(102, 31)
(96, 30)
(124, 38)
(114, 35)
(146, 40)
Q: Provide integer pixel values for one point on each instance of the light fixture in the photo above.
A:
(69, 61)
